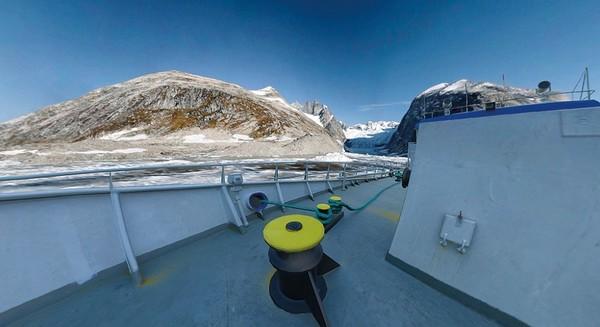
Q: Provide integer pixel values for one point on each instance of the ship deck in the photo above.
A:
(222, 279)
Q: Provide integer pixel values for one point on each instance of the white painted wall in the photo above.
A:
(157, 219)
(532, 183)
(46, 244)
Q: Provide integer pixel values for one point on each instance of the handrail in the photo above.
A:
(37, 194)
(500, 102)
(352, 170)
(187, 166)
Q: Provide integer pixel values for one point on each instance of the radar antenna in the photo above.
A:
(584, 79)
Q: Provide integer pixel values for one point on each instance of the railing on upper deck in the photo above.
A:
(500, 102)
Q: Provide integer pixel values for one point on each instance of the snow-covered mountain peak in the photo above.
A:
(374, 126)
(433, 89)
(459, 85)
(369, 138)
(321, 115)
(457, 95)
(444, 88)
(486, 88)
(370, 128)
(178, 78)
(268, 91)
(271, 94)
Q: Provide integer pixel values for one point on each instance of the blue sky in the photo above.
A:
(365, 59)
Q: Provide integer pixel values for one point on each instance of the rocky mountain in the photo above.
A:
(162, 103)
(321, 114)
(165, 116)
(369, 138)
(432, 101)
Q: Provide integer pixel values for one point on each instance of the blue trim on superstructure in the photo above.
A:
(547, 106)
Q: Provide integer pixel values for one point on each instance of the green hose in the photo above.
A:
(343, 204)
(370, 200)
(287, 205)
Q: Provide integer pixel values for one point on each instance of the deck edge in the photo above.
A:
(467, 300)
(13, 315)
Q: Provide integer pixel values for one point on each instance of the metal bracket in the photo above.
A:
(463, 247)
(239, 221)
(444, 241)
(458, 230)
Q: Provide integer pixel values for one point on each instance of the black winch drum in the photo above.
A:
(295, 251)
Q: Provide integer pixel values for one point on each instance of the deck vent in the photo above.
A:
(544, 87)
(256, 202)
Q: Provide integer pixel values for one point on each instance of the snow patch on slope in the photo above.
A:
(432, 89)
(122, 151)
(125, 135)
(201, 138)
(268, 91)
(314, 118)
(9, 163)
(197, 138)
(459, 85)
(270, 94)
(13, 152)
(242, 137)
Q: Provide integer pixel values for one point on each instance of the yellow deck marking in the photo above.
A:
(387, 214)
(157, 276)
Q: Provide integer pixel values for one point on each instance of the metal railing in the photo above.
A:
(183, 176)
(501, 102)
(344, 173)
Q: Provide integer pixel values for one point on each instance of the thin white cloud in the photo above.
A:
(382, 106)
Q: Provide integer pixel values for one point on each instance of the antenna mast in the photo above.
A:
(466, 97)
(587, 80)
(584, 79)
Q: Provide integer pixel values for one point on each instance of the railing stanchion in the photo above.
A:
(237, 219)
(130, 259)
(310, 193)
(327, 178)
(278, 187)
(344, 178)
